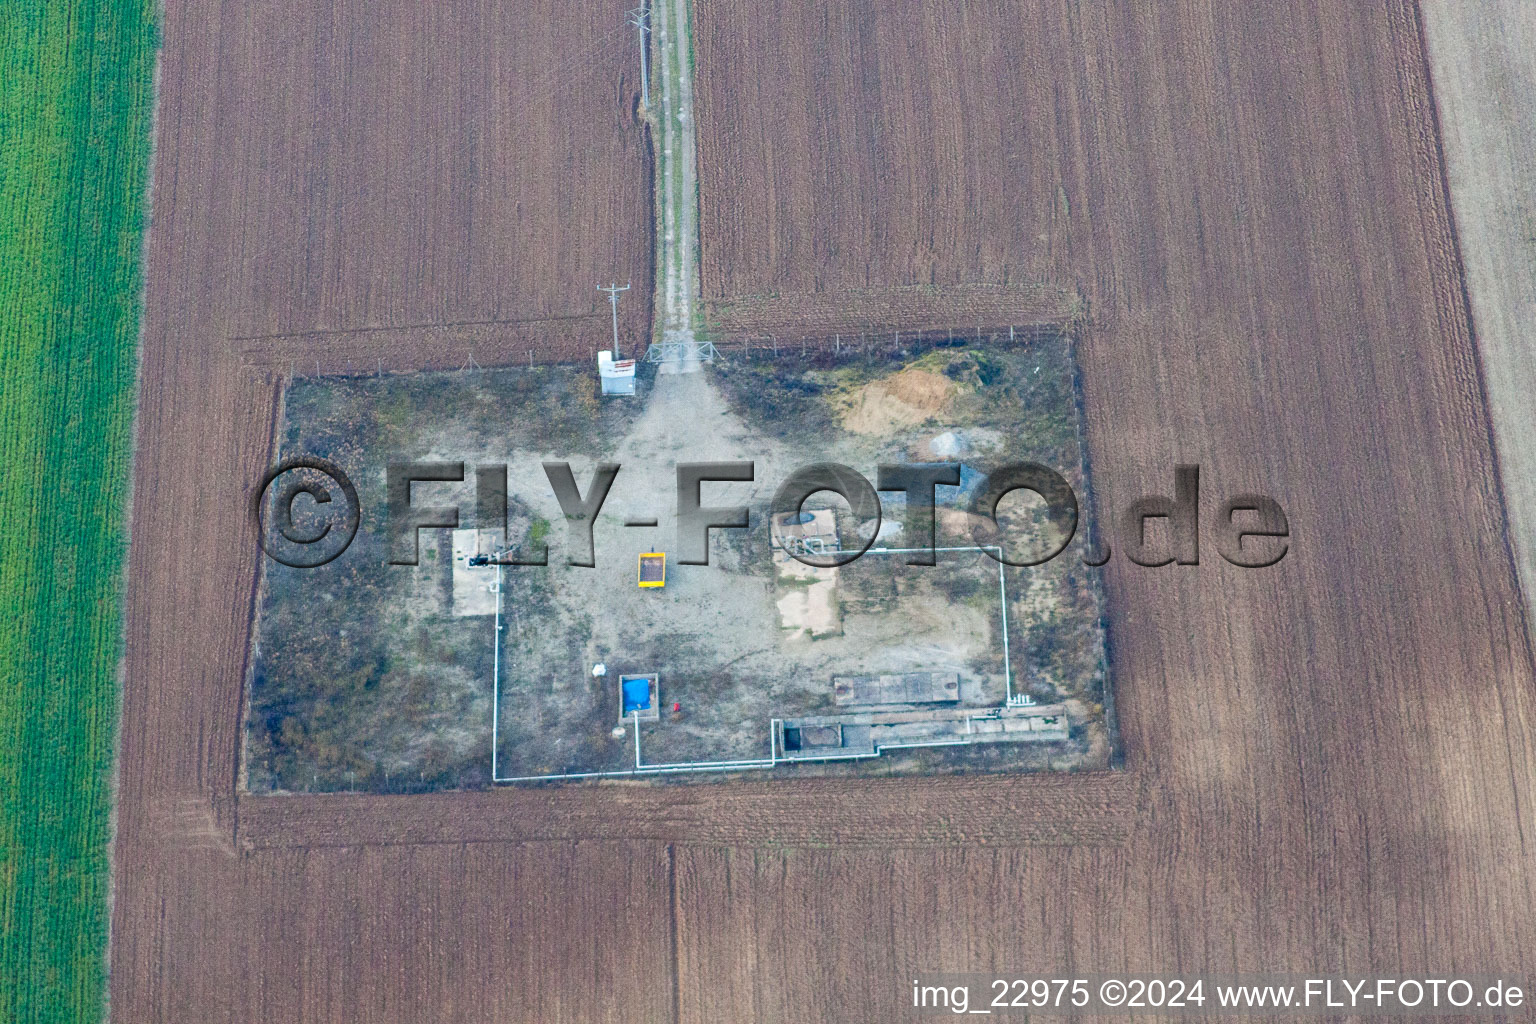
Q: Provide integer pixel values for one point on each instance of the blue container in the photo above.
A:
(637, 693)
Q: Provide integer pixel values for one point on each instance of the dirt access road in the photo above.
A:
(677, 195)
(1483, 59)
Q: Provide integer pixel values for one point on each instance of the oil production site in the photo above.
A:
(465, 670)
(758, 660)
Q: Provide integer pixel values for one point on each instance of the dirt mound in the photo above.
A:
(903, 399)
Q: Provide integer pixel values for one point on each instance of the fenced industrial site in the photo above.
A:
(462, 671)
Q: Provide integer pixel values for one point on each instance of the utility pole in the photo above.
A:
(640, 18)
(613, 300)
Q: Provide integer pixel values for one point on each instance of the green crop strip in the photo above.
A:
(75, 113)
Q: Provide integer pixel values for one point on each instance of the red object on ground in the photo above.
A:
(677, 707)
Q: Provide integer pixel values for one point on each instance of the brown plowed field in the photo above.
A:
(957, 310)
(845, 147)
(1096, 808)
(439, 346)
(1330, 762)
(454, 171)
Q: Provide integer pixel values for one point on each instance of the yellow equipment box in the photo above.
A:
(653, 569)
